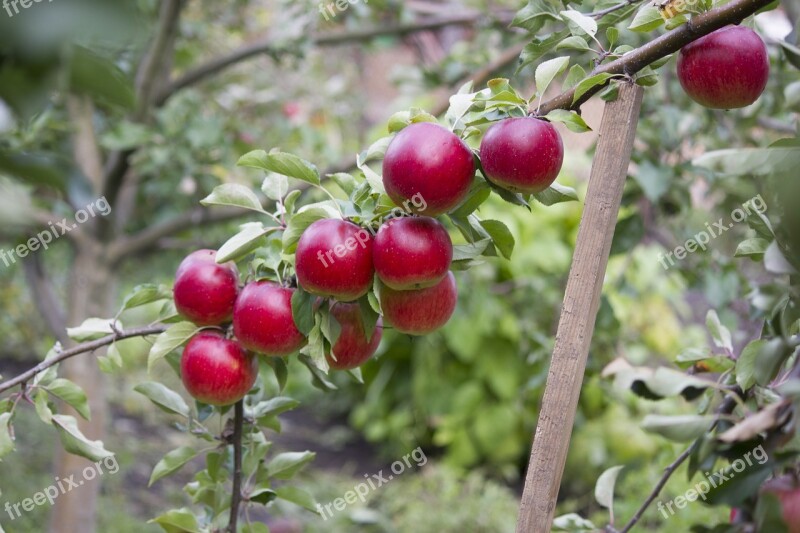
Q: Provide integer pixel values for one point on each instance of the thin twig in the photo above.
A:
(606, 11)
(80, 349)
(236, 496)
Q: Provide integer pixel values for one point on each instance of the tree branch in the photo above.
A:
(44, 297)
(236, 493)
(216, 65)
(80, 349)
(632, 62)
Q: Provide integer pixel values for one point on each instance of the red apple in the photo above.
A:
(352, 348)
(412, 253)
(418, 312)
(522, 155)
(788, 493)
(334, 259)
(262, 319)
(216, 370)
(204, 291)
(725, 69)
(427, 169)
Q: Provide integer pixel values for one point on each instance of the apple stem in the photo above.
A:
(236, 494)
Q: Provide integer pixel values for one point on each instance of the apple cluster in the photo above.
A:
(338, 264)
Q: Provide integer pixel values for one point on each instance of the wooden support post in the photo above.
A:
(579, 311)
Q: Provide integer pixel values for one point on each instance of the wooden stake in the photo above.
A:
(579, 311)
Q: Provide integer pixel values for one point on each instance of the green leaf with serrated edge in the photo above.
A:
(286, 465)
(556, 194)
(171, 463)
(6, 442)
(539, 46)
(470, 251)
(572, 120)
(275, 186)
(604, 488)
(71, 394)
(250, 238)
(502, 237)
(574, 43)
(318, 377)
(271, 407)
(233, 195)
(145, 294)
(297, 496)
(535, 14)
(547, 71)
(648, 18)
(165, 398)
(753, 248)
(315, 348)
(178, 521)
(174, 337)
(575, 74)
(288, 165)
(303, 310)
(93, 329)
(586, 23)
(590, 83)
(369, 315)
(75, 442)
(612, 34)
(346, 182)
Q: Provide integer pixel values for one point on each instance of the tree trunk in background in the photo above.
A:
(91, 294)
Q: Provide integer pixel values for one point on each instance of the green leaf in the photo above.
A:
(286, 465)
(502, 237)
(42, 406)
(463, 252)
(679, 428)
(174, 337)
(281, 163)
(573, 523)
(6, 442)
(303, 310)
(235, 195)
(612, 34)
(539, 46)
(369, 315)
(586, 23)
(278, 365)
(243, 243)
(648, 18)
(753, 248)
(574, 43)
(71, 394)
(345, 181)
(719, 333)
(165, 398)
(297, 496)
(479, 192)
(572, 120)
(604, 488)
(556, 194)
(75, 442)
(534, 15)
(275, 186)
(178, 521)
(100, 78)
(172, 462)
(329, 326)
(318, 377)
(93, 329)
(302, 220)
(315, 348)
(575, 74)
(272, 407)
(145, 294)
(547, 71)
(590, 83)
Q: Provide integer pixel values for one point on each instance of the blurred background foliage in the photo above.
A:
(469, 394)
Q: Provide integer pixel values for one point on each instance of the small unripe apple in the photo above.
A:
(204, 291)
(334, 259)
(788, 493)
(216, 370)
(427, 161)
(522, 155)
(352, 349)
(412, 253)
(262, 319)
(421, 311)
(725, 69)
